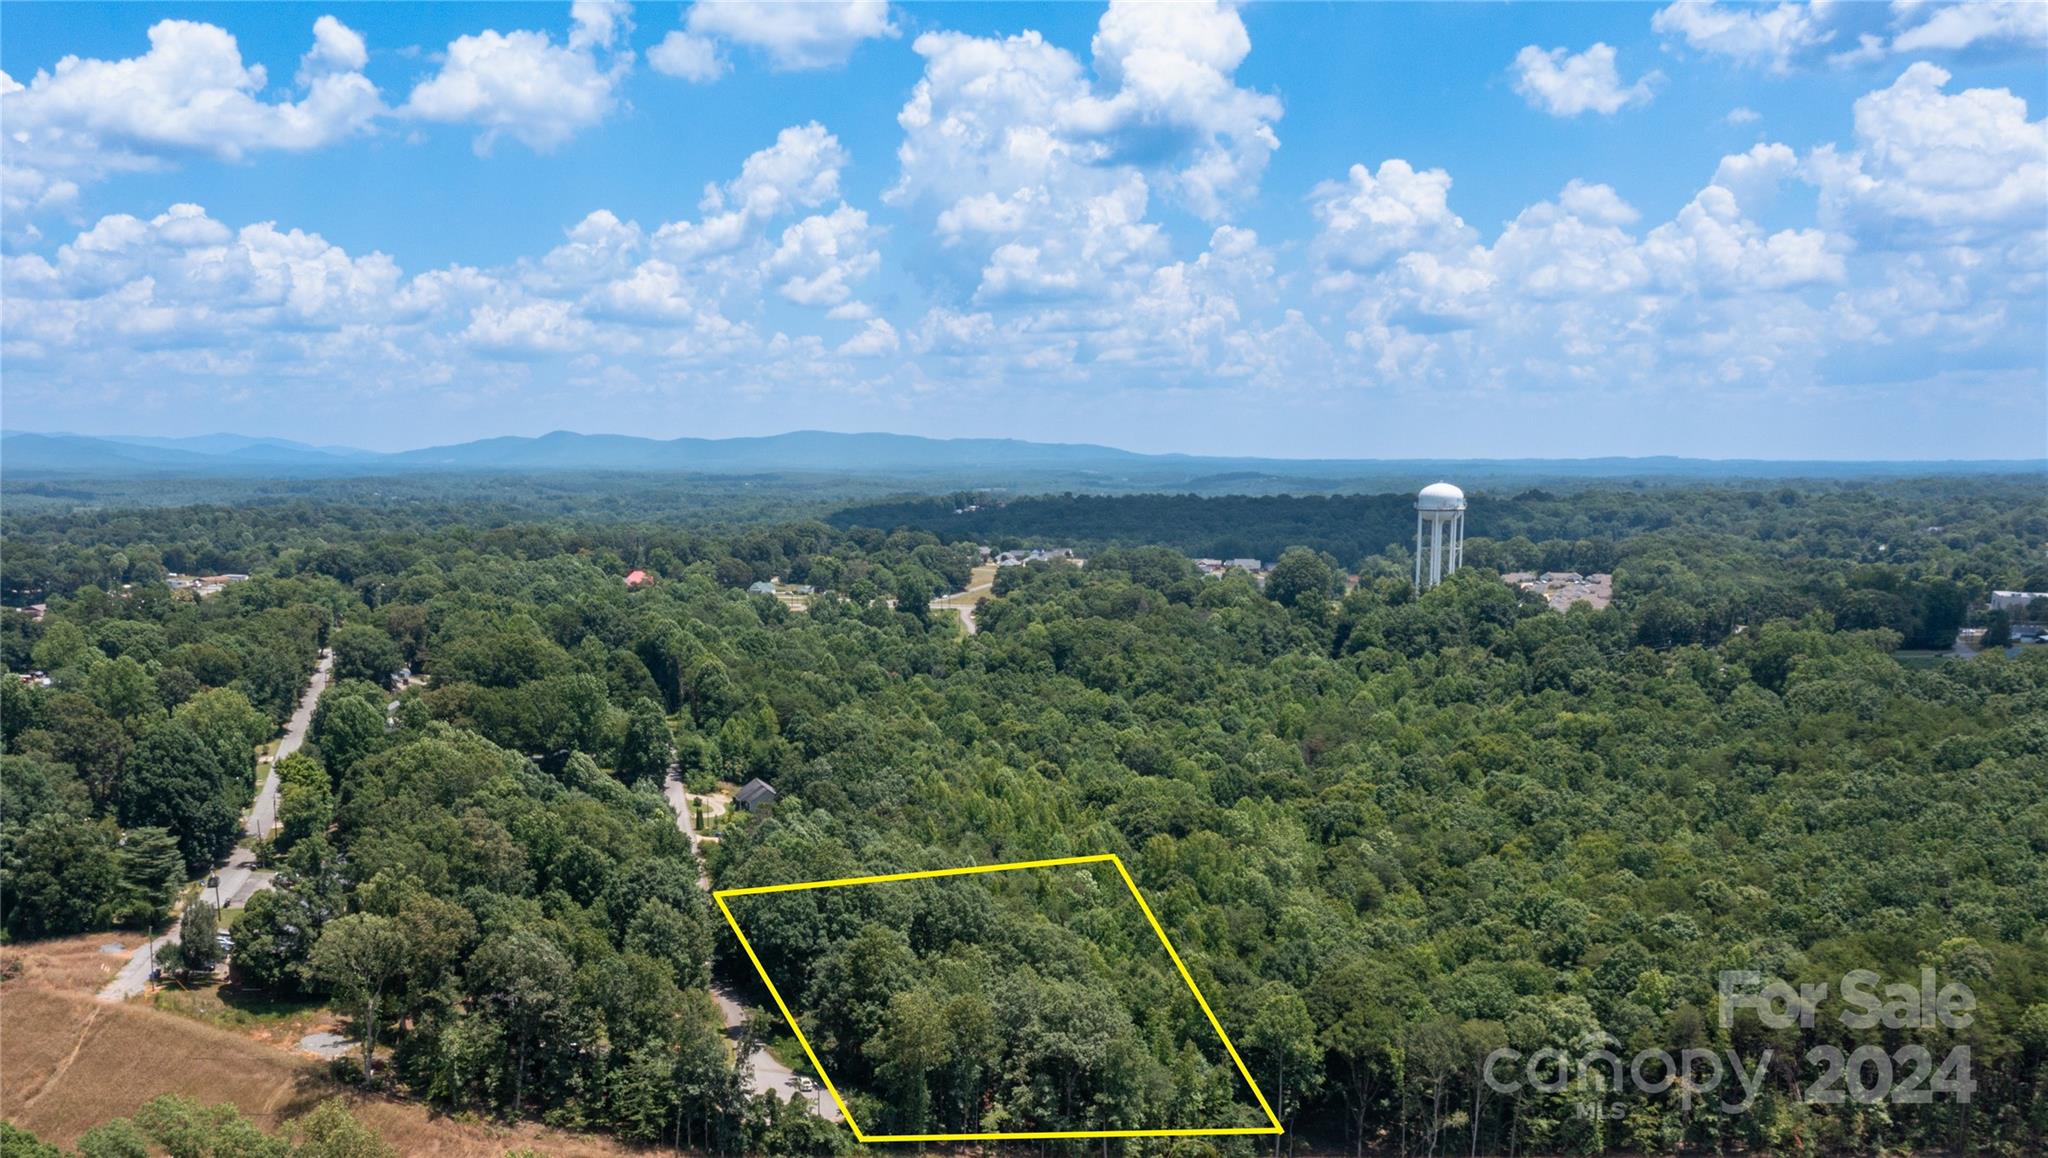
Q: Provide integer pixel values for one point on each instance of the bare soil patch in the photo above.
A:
(71, 1063)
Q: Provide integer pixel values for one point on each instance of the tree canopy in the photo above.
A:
(1388, 832)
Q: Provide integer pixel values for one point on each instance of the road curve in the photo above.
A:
(962, 603)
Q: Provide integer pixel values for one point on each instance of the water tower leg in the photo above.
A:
(1418, 550)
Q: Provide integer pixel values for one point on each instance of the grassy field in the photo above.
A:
(961, 603)
(280, 1022)
(978, 585)
(71, 1062)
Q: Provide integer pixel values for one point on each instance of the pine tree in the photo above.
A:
(152, 869)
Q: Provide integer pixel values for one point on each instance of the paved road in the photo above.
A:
(240, 879)
(766, 1075)
(263, 812)
(966, 615)
(134, 976)
(961, 603)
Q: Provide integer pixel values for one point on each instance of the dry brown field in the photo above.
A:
(69, 1062)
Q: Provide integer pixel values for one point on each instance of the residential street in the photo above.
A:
(962, 603)
(134, 976)
(239, 878)
(766, 1075)
(966, 614)
(263, 811)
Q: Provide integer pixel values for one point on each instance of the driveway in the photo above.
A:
(765, 1074)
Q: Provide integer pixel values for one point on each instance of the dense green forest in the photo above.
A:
(1008, 1002)
(479, 497)
(1389, 834)
(1578, 527)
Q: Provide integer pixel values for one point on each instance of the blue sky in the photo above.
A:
(1384, 230)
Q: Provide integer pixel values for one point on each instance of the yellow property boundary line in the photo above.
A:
(721, 896)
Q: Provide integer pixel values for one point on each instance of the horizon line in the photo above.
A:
(330, 448)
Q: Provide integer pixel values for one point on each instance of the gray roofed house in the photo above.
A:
(755, 796)
(763, 587)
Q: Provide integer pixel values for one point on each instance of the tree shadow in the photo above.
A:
(268, 1004)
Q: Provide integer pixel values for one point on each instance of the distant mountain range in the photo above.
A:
(804, 450)
(101, 455)
(969, 460)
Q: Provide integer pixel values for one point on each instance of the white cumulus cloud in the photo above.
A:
(793, 36)
(336, 48)
(687, 56)
(1771, 35)
(523, 85)
(1565, 84)
(1168, 90)
(875, 339)
(799, 171)
(190, 94)
(820, 258)
(1958, 26)
(1930, 164)
(1040, 206)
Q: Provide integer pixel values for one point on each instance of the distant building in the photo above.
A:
(2015, 600)
(202, 585)
(1216, 568)
(638, 579)
(761, 587)
(1561, 589)
(1036, 555)
(756, 796)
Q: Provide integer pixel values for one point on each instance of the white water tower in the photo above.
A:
(1441, 508)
